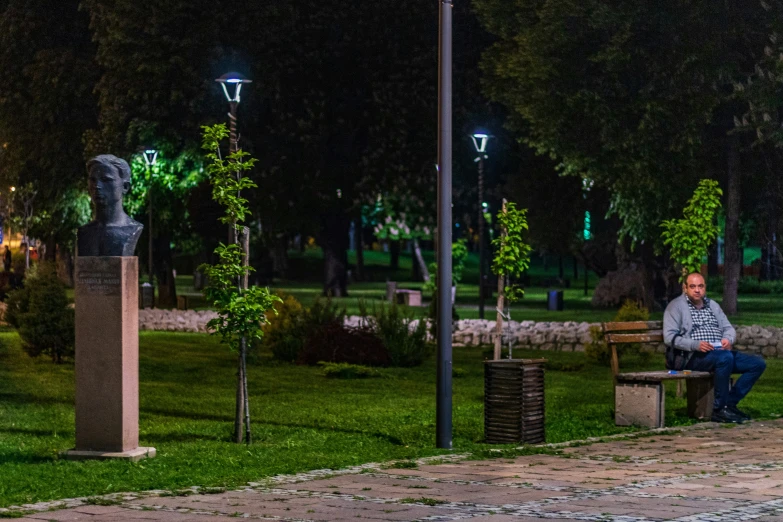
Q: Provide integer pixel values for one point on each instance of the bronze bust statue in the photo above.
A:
(113, 233)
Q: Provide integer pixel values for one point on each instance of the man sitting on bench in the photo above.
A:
(700, 338)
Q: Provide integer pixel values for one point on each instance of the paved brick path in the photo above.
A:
(703, 473)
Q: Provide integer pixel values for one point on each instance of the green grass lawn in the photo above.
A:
(301, 420)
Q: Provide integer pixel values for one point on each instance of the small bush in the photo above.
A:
(41, 315)
(598, 350)
(289, 329)
(18, 262)
(9, 282)
(283, 334)
(456, 373)
(406, 343)
(346, 371)
(335, 343)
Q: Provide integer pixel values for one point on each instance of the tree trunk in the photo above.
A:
(732, 267)
(334, 241)
(394, 253)
(49, 250)
(359, 240)
(712, 261)
(768, 250)
(649, 275)
(576, 269)
(419, 261)
(278, 251)
(64, 262)
(164, 266)
(415, 270)
(26, 250)
(501, 304)
(240, 403)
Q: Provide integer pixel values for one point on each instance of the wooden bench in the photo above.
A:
(639, 397)
(402, 296)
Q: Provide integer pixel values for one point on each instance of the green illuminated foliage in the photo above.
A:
(690, 237)
(512, 255)
(241, 312)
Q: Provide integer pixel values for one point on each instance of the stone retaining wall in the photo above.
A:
(555, 336)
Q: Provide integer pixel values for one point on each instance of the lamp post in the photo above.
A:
(443, 423)
(228, 81)
(587, 233)
(150, 159)
(480, 142)
(233, 80)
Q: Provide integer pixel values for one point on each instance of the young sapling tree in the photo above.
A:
(241, 310)
(512, 257)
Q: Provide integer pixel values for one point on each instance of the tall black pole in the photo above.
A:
(481, 233)
(443, 410)
(149, 212)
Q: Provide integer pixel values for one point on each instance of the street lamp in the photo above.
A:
(234, 81)
(150, 159)
(232, 85)
(587, 233)
(229, 81)
(480, 142)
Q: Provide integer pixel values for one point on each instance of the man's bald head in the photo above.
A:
(695, 288)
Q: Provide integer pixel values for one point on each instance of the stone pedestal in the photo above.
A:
(107, 359)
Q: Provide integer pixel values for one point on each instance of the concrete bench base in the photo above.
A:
(640, 397)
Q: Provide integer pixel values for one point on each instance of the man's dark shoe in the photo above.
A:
(726, 415)
(738, 412)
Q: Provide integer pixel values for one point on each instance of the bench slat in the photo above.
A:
(632, 325)
(649, 337)
(659, 376)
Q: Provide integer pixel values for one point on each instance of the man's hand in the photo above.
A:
(726, 344)
(704, 346)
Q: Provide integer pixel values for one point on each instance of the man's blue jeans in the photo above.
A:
(724, 363)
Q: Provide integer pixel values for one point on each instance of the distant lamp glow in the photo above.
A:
(586, 232)
(480, 142)
(485, 204)
(150, 156)
(233, 78)
(13, 189)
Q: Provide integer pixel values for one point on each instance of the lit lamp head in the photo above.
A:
(232, 80)
(480, 140)
(150, 156)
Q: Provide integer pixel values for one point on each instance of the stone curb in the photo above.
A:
(568, 336)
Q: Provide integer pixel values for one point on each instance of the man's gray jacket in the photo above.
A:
(678, 325)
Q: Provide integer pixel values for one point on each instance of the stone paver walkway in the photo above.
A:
(702, 473)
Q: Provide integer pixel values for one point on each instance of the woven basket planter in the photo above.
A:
(514, 401)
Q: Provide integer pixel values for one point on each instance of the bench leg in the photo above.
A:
(641, 404)
(701, 395)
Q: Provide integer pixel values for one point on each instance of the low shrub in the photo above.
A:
(336, 343)
(289, 329)
(283, 334)
(9, 281)
(346, 371)
(40, 313)
(597, 349)
(18, 262)
(405, 341)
